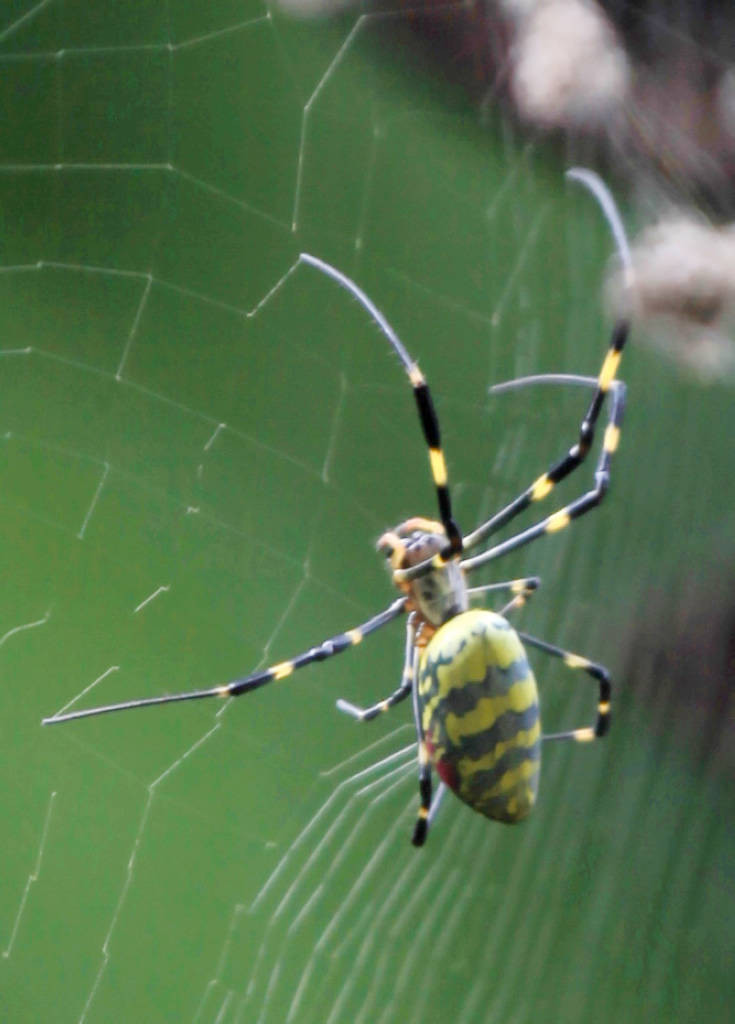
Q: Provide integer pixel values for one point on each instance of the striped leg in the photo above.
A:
(522, 588)
(421, 828)
(563, 516)
(367, 714)
(424, 403)
(606, 383)
(430, 424)
(335, 645)
(598, 672)
(422, 821)
(542, 487)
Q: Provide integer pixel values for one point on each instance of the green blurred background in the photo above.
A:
(198, 454)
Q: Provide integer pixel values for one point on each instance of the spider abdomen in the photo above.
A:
(479, 712)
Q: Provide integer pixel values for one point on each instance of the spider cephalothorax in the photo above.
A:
(440, 592)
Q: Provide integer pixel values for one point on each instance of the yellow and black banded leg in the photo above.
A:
(524, 586)
(523, 589)
(560, 519)
(598, 672)
(421, 827)
(605, 382)
(399, 694)
(326, 649)
(544, 485)
(430, 425)
(424, 403)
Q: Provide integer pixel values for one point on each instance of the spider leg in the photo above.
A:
(524, 585)
(522, 588)
(334, 645)
(407, 687)
(606, 383)
(436, 802)
(598, 672)
(421, 827)
(543, 485)
(562, 517)
(427, 412)
(367, 714)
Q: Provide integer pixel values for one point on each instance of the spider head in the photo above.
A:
(439, 593)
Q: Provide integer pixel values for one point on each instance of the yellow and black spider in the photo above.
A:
(475, 700)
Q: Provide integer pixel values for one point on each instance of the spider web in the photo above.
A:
(201, 442)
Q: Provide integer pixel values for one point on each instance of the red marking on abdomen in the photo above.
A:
(445, 769)
(447, 773)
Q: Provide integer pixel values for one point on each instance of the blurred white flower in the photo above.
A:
(683, 293)
(568, 69)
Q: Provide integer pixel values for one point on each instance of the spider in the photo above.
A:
(475, 700)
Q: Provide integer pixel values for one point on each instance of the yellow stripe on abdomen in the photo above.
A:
(522, 739)
(521, 696)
